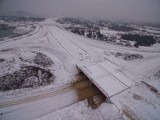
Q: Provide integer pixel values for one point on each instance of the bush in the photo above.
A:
(128, 56)
(141, 40)
(123, 28)
(26, 77)
(2, 60)
(42, 60)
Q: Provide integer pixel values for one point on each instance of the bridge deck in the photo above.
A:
(108, 84)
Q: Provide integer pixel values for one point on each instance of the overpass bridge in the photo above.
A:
(106, 78)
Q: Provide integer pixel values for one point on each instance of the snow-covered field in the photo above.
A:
(67, 51)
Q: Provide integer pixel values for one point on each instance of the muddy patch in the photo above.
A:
(129, 114)
(93, 95)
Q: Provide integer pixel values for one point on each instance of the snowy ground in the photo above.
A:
(68, 50)
(81, 111)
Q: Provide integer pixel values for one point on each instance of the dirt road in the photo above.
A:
(42, 103)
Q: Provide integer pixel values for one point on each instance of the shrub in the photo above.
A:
(25, 77)
(141, 40)
(42, 60)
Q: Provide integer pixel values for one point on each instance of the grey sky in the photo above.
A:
(143, 10)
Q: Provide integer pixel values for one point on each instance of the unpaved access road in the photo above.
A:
(39, 104)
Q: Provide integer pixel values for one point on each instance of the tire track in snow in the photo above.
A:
(80, 85)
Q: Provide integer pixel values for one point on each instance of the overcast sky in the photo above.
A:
(141, 10)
